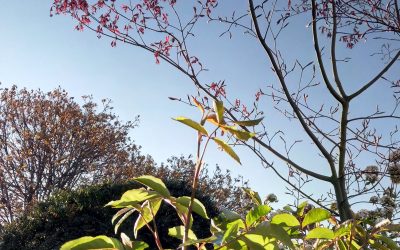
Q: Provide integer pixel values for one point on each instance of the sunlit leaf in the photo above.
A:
(123, 218)
(389, 242)
(268, 229)
(239, 134)
(119, 213)
(178, 232)
(227, 149)
(223, 219)
(197, 206)
(149, 210)
(198, 105)
(342, 231)
(259, 242)
(285, 220)
(88, 242)
(133, 245)
(219, 110)
(256, 213)
(249, 123)
(320, 233)
(232, 230)
(133, 197)
(315, 215)
(154, 183)
(300, 209)
(181, 210)
(191, 124)
(255, 197)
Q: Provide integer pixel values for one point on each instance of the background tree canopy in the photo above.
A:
(50, 143)
(69, 215)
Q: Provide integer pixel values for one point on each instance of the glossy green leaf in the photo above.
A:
(88, 242)
(191, 124)
(232, 230)
(227, 149)
(320, 233)
(285, 220)
(197, 206)
(315, 215)
(149, 208)
(154, 183)
(178, 232)
(219, 111)
(256, 213)
(132, 198)
(239, 134)
(249, 123)
(255, 197)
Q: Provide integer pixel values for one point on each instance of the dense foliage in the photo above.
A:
(69, 215)
(49, 142)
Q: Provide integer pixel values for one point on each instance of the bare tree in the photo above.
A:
(334, 130)
(49, 142)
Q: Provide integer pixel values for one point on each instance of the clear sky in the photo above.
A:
(37, 51)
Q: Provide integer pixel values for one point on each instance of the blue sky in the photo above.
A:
(37, 51)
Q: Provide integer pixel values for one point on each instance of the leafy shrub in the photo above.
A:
(69, 215)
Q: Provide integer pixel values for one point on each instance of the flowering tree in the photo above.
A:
(49, 142)
(334, 129)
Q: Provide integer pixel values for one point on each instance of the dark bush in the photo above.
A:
(69, 215)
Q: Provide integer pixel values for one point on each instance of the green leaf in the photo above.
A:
(123, 218)
(181, 210)
(219, 110)
(132, 245)
(254, 241)
(285, 220)
(232, 230)
(88, 242)
(223, 219)
(132, 198)
(149, 208)
(197, 206)
(256, 213)
(239, 134)
(255, 197)
(320, 233)
(343, 230)
(178, 232)
(342, 245)
(191, 124)
(210, 239)
(300, 209)
(227, 149)
(249, 123)
(268, 229)
(154, 183)
(389, 242)
(315, 215)
(119, 213)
